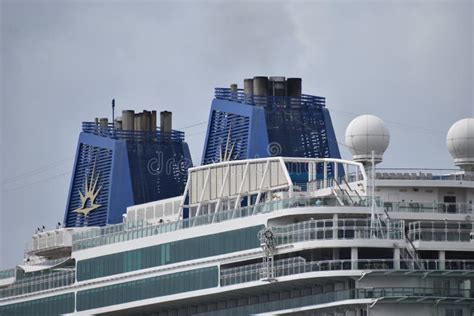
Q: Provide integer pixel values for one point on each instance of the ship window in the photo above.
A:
(284, 295)
(55, 305)
(453, 312)
(173, 252)
(264, 298)
(243, 302)
(232, 303)
(147, 288)
(451, 203)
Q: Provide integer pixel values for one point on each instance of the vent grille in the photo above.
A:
(224, 126)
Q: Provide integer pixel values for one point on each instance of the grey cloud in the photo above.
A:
(408, 62)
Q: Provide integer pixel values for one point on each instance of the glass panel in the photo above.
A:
(147, 288)
(178, 251)
(55, 305)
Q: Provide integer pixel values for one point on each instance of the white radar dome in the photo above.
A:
(364, 134)
(460, 141)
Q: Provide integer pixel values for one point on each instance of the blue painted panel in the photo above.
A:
(331, 135)
(258, 136)
(247, 127)
(107, 159)
(121, 193)
(273, 126)
(131, 171)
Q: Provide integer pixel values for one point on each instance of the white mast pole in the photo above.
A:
(372, 192)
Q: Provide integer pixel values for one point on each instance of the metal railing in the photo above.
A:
(109, 131)
(429, 207)
(256, 306)
(49, 240)
(138, 229)
(298, 265)
(345, 229)
(271, 101)
(38, 283)
(414, 292)
(440, 231)
(319, 184)
(422, 174)
(134, 230)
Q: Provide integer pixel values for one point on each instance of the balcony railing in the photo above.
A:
(38, 283)
(134, 230)
(345, 229)
(109, 131)
(139, 229)
(440, 231)
(429, 207)
(41, 242)
(291, 266)
(255, 305)
(422, 174)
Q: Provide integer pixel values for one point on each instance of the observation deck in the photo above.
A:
(53, 244)
(142, 228)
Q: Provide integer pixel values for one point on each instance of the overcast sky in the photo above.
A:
(411, 63)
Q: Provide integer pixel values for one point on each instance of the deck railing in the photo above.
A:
(134, 230)
(440, 231)
(305, 100)
(6, 274)
(109, 131)
(341, 229)
(422, 174)
(38, 283)
(255, 272)
(291, 266)
(429, 207)
(255, 306)
(49, 240)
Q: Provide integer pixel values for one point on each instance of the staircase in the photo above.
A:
(338, 197)
(352, 191)
(345, 190)
(342, 192)
(409, 253)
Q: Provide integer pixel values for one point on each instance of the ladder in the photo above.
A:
(267, 243)
(410, 252)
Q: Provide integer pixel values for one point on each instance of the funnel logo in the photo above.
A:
(90, 194)
(226, 154)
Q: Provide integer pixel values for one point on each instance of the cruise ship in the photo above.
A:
(273, 221)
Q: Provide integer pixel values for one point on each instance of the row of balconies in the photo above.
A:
(139, 229)
(298, 265)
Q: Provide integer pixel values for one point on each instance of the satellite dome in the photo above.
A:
(364, 134)
(460, 141)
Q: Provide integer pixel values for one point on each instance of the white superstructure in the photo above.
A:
(272, 236)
